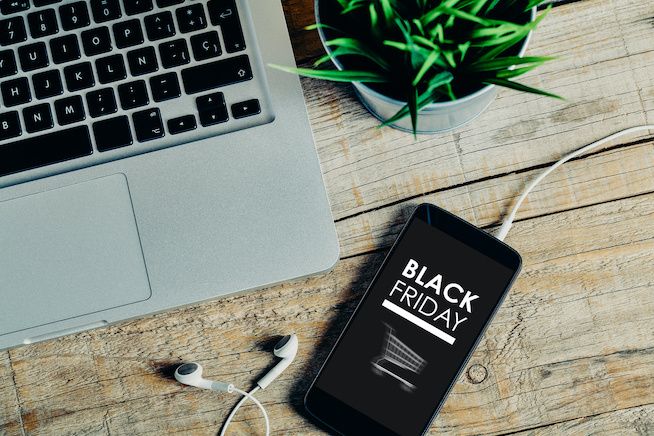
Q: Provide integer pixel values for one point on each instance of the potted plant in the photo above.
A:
(426, 65)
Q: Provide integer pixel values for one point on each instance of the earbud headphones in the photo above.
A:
(191, 374)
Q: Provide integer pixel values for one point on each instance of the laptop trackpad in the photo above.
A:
(69, 252)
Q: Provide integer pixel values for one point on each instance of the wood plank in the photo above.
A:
(601, 177)
(10, 419)
(556, 351)
(632, 421)
(603, 74)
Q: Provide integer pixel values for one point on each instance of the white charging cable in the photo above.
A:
(246, 396)
(508, 221)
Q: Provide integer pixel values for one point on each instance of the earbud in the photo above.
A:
(191, 374)
(286, 349)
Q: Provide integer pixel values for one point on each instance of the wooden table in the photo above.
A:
(570, 351)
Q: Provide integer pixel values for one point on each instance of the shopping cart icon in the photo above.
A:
(398, 360)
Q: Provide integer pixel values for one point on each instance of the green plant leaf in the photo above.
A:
(427, 97)
(506, 62)
(344, 3)
(464, 15)
(353, 5)
(316, 26)
(477, 6)
(418, 25)
(520, 87)
(374, 18)
(463, 49)
(429, 62)
(450, 91)
(534, 3)
(351, 46)
(387, 10)
(398, 45)
(335, 75)
(449, 57)
(508, 74)
(492, 5)
(413, 109)
(435, 13)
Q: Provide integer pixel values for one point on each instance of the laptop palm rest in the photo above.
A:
(69, 252)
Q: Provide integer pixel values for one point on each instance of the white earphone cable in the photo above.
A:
(246, 396)
(508, 221)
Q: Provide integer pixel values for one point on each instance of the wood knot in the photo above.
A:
(477, 373)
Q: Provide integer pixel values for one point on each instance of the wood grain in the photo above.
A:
(10, 419)
(602, 176)
(571, 350)
(634, 421)
(557, 348)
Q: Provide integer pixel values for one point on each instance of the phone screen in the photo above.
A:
(421, 316)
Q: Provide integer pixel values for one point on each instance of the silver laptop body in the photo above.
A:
(170, 219)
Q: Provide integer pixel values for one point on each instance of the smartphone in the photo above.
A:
(415, 328)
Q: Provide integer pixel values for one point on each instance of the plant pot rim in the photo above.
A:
(440, 105)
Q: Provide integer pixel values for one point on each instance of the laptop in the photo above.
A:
(149, 159)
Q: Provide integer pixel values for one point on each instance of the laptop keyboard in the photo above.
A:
(90, 81)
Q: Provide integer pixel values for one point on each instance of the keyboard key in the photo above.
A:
(206, 45)
(128, 33)
(47, 84)
(101, 102)
(233, 36)
(105, 10)
(111, 68)
(133, 7)
(16, 91)
(12, 31)
(181, 124)
(9, 126)
(7, 63)
(79, 76)
(209, 117)
(191, 18)
(142, 61)
(164, 87)
(174, 53)
(224, 13)
(112, 133)
(167, 3)
(148, 125)
(64, 49)
(12, 6)
(246, 108)
(133, 94)
(69, 110)
(42, 23)
(96, 41)
(215, 74)
(39, 3)
(74, 15)
(159, 26)
(210, 101)
(44, 150)
(33, 56)
(38, 118)
(212, 109)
